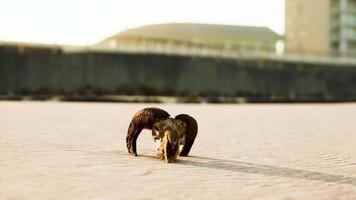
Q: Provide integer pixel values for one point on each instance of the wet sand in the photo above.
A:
(52, 150)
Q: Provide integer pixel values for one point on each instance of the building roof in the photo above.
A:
(199, 32)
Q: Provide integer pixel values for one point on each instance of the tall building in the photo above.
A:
(321, 27)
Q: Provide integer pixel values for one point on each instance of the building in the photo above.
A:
(187, 37)
(321, 27)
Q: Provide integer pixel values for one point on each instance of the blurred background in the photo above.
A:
(178, 51)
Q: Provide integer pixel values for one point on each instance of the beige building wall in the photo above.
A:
(307, 26)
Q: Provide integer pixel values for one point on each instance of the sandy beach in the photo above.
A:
(54, 150)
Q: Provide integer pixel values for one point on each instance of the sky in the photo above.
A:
(85, 22)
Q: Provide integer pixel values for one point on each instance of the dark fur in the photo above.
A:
(143, 119)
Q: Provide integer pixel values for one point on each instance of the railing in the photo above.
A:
(201, 51)
(185, 50)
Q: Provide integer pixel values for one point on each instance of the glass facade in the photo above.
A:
(343, 27)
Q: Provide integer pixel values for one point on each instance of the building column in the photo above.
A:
(343, 46)
(343, 4)
(343, 38)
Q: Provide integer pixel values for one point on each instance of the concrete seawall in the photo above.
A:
(50, 71)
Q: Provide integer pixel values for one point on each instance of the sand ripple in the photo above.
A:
(77, 151)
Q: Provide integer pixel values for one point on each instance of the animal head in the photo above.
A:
(168, 133)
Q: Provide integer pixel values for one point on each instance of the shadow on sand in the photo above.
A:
(251, 168)
(268, 170)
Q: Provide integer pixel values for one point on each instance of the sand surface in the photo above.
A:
(52, 150)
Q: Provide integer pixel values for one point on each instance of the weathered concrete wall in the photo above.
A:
(50, 71)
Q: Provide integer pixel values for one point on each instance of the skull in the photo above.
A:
(168, 134)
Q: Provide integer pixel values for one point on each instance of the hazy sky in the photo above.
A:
(81, 22)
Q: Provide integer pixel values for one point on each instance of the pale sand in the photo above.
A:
(51, 150)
